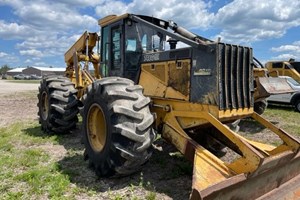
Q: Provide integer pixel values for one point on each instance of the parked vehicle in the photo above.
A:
(288, 98)
(267, 83)
(21, 77)
(285, 68)
(4, 76)
(35, 77)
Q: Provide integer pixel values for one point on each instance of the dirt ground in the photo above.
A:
(17, 102)
(167, 174)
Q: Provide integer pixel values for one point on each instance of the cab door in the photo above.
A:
(112, 58)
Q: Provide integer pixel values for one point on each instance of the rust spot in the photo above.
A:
(190, 151)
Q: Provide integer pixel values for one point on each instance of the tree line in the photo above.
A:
(4, 69)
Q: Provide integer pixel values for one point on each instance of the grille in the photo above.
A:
(235, 77)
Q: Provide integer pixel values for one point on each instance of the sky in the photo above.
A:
(39, 32)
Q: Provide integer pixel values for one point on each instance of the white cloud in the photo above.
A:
(51, 16)
(45, 28)
(14, 30)
(31, 52)
(244, 21)
(287, 48)
(191, 13)
(28, 61)
(8, 58)
(40, 64)
(82, 3)
(3, 54)
(287, 51)
(50, 45)
(284, 56)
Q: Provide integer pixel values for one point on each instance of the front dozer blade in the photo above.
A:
(261, 170)
(274, 183)
(267, 86)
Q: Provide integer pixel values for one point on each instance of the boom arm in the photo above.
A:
(82, 50)
(187, 34)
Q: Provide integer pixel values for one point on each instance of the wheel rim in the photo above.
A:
(45, 105)
(96, 128)
(298, 106)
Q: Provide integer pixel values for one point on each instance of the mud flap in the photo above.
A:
(266, 86)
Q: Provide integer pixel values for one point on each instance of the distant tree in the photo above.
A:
(4, 69)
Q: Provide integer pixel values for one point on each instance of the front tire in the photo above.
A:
(57, 104)
(117, 126)
(297, 105)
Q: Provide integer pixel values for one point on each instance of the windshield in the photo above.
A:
(293, 82)
(142, 38)
(296, 65)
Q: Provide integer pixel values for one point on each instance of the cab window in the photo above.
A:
(116, 48)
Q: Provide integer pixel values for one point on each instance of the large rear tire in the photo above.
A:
(117, 126)
(57, 104)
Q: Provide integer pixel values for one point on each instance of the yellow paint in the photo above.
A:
(170, 93)
(96, 127)
(208, 170)
(287, 138)
(159, 70)
(157, 79)
(153, 87)
(241, 112)
(284, 71)
(111, 19)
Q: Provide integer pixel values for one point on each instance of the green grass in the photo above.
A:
(30, 170)
(26, 170)
(289, 118)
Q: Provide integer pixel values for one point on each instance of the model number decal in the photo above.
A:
(202, 72)
(151, 57)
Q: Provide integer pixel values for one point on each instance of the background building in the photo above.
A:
(39, 71)
(15, 71)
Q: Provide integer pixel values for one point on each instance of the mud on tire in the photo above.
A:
(117, 126)
(57, 104)
(260, 106)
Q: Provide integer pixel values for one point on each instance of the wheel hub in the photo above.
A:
(96, 127)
